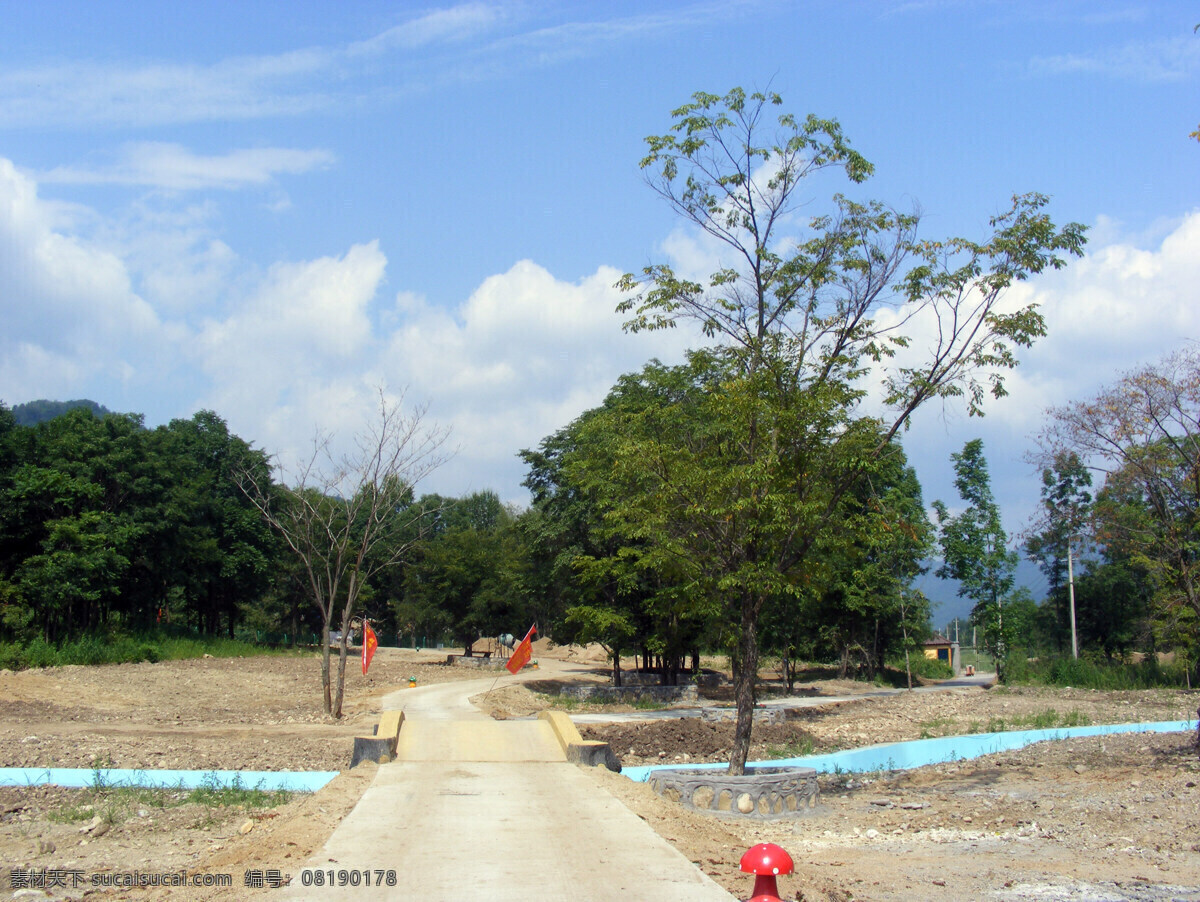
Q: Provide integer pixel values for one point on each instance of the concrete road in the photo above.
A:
(489, 810)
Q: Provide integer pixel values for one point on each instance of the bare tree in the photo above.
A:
(1143, 435)
(349, 516)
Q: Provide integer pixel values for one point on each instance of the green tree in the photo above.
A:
(466, 575)
(615, 597)
(219, 549)
(975, 549)
(734, 511)
(1057, 530)
(859, 610)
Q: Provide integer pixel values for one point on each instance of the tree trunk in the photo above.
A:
(351, 597)
(616, 659)
(325, 682)
(744, 685)
(341, 676)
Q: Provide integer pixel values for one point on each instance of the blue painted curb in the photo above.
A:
(921, 752)
(76, 777)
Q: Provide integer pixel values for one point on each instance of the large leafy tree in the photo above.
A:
(975, 549)
(866, 610)
(219, 547)
(619, 597)
(794, 309)
(466, 574)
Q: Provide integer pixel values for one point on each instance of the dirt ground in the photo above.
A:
(1114, 817)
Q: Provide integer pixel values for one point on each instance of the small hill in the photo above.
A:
(33, 412)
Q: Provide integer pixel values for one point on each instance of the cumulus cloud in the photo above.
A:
(307, 324)
(521, 357)
(524, 355)
(67, 304)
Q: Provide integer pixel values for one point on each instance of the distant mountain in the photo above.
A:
(33, 412)
(946, 603)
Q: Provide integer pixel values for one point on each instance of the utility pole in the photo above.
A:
(1071, 595)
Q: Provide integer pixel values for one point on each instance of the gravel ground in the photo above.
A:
(1113, 817)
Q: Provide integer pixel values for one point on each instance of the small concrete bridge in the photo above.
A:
(474, 808)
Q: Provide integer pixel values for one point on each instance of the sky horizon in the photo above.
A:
(269, 209)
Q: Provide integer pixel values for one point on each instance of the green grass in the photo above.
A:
(939, 726)
(793, 748)
(125, 648)
(1041, 720)
(1038, 720)
(114, 803)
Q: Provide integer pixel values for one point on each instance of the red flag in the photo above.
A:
(370, 643)
(523, 653)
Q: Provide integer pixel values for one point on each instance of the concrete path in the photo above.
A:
(489, 810)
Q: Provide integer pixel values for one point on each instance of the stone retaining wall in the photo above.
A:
(644, 678)
(480, 661)
(763, 792)
(625, 693)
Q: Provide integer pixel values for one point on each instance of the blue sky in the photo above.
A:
(268, 208)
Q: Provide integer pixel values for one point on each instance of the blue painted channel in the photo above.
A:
(921, 752)
(74, 777)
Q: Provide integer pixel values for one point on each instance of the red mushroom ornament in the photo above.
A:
(766, 861)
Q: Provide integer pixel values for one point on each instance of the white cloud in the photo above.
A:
(454, 24)
(522, 357)
(451, 45)
(1151, 61)
(173, 167)
(305, 325)
(1119, 306)
(64, 298)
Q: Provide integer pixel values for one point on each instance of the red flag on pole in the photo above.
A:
(523, 653)
(370, 643)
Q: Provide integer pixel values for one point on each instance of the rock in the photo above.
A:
(871, 834)
(101, 829)
(745, 804)
(249, 825)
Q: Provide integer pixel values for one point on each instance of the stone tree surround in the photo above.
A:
(763, 792)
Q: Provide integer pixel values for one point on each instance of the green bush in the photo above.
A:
(1090, 673)
(929, 668)
(121, 649)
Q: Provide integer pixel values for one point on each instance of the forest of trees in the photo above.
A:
(108, 527)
